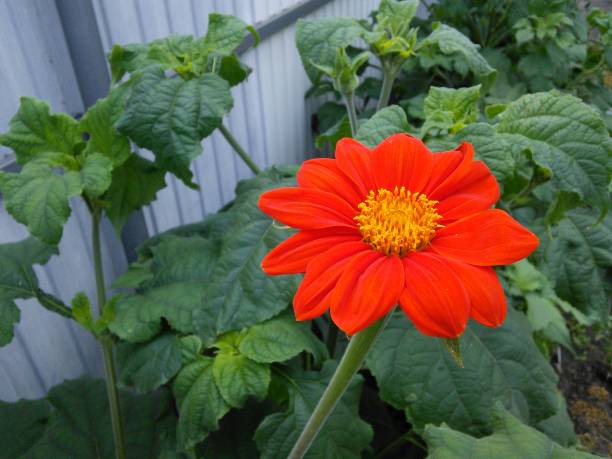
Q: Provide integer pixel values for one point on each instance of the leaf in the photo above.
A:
(34, 130)
(511, 439)
(39, 199)
(99, 123)
(279, 339)
(318, 41)
(134, 184)
(565, 136)
(18, 279)
(225, 33)
(80, 425)
(390, 120)
(344, 434)
(395, 14)
(81, 311)
(126, 59)
(237, 377)
(149, 365)
(96, 174)
(466, 57)
(332, 135)
(22, 424)
(575, 258)
(171, 116)
(416, 373)
(559, 426)
(199, 402)
(458, 106)
(232, 70)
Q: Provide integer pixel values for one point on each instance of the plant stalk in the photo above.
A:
(389, 76)
(239, 150)
(351, 362)
(107, 345)
(349, 101)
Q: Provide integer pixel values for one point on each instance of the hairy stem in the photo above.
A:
(107, 345)
(349, 101)
(351, 362)
(389, 76)
(239, 150)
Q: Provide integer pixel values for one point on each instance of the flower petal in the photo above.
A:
(461, 184)
(322, 273)
(367, 290)
(353, 158)
(402, 160)
(292, 255)
(487, 299)
(307, 208)
(487, 238)
(325, 175)
(434, 298)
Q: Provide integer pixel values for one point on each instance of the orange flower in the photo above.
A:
(396, 224)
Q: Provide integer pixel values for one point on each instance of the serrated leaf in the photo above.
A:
(126, 59)
(396, 15)
(34, 130)
(171, 116)
(575, 258)
(18, 280)
(390, 120)
(134, 184)
(511, 439)
(452, 43)
(22, 424)
(450, 109)
(344, 434)
(149, 365)
(415, 373)
(39, 198)
(319, 40)
(80, 425)
(565, 136)
(99, 124)
(96, 174)
(225, 33)
(238, 378)
(279, 339)
(199, 402)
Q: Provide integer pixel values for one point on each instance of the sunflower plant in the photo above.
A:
(398, 295)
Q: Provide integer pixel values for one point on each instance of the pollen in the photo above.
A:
(397, 222)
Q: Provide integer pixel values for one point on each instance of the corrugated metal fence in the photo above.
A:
(270, 118)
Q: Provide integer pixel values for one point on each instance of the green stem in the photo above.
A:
(351, 362)
(107, 345)
(238, 149)
(389, 76)
(349, 101)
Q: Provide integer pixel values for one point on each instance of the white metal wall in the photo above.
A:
(270, 119)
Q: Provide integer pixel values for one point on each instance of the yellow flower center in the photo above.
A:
(397, 222)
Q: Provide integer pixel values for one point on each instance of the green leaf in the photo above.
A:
(279, 339)
(332, 135)
(149, 365)
(126, 59)
(466, 57)
(344, 435)
(390, 120)
(238, 378)
(318, 41)
(565, 136)
(225, 33)
(576, 257)
(96, 174)
(34, 130)
(80, 424)
(22, 424)
(99, 123)
(134, 184)
(415, 373)
(396, 15)
(232, 70)
(458, 106)
(39, 198)
(511, 439)
(199, 402)
(81, 311)
(171, 116)
(18, 279)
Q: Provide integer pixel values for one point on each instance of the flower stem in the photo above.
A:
(351, 362)
(107, 345)
(239, 150)
(349, 101)
(390, 72)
